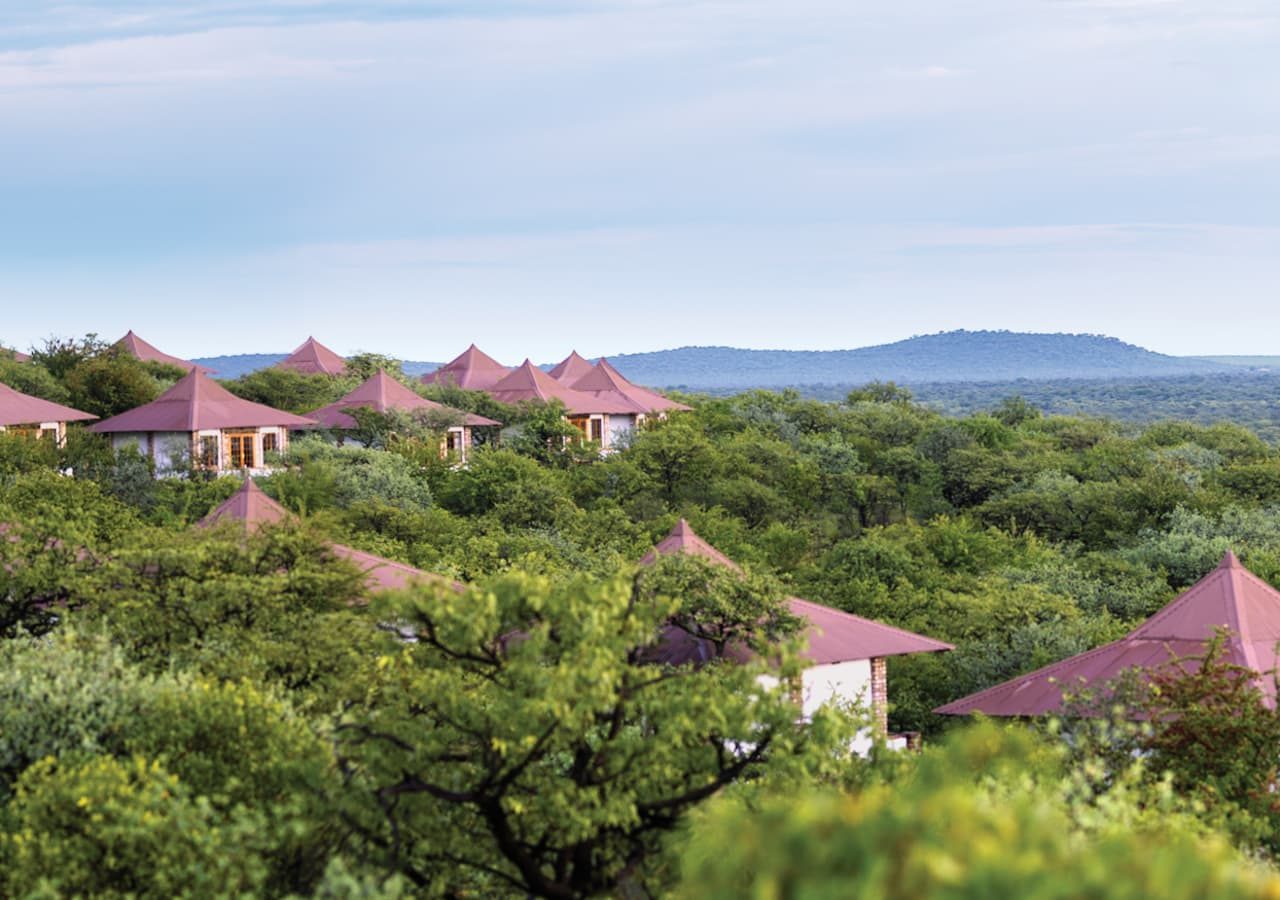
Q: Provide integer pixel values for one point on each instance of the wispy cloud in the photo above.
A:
(672, 154)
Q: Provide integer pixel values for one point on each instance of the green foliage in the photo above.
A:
(519, 745)
(321, 475)
(992, 815)
(275, 607)
(719, 606)
(113, 382)
(31, 378)
(240, 748)
(115, 828)
(294, 392)
(1212, 729)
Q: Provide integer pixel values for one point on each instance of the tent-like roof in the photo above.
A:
(314, 358)
(570, 369)
(832, 636)
(140, 349)
(382, 393)
(17, 408)
(472, 370)
(17, 354)
(604, 381)
(197, 403)
(528, 382)
(251, 507)
(1229, 597)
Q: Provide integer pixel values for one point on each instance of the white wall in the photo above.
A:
(618, 430)
(846, 682)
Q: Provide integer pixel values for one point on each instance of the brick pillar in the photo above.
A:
(880, 693)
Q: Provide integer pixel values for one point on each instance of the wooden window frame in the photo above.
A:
(236, 444)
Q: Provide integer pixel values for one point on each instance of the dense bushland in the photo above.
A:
(205, 711)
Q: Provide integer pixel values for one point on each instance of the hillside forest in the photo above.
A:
(190, 711)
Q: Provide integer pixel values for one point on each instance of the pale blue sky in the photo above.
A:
(621, 175)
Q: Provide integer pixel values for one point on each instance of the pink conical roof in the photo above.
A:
(17, 408)
(471, 370)
(382, 393)
(603, 380)
(17, 354)
(529, 383)
(253, 508)
(570, 369)
(1229, 597)
(140, 349)
(832, 635)
(249, 505)
(197, 403)
(314, 358)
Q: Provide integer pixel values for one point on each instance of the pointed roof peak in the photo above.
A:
(604, 381)
(313, 358)
(141, 350)
(250, 505)
(1228, 597)
(571, 368)
(471, 370)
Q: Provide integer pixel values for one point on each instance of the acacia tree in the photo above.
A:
(521, 744)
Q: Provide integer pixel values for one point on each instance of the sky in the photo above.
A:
(227, 176)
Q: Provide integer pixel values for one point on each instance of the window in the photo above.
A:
(268, 443)
(597, 430)
(580, 423)
(207, 451)
(49, 434)
(240, 445)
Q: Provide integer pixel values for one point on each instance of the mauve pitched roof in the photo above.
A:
(472, 370)
(17, 354)
(570, 369)
(603, 380)
(382, 393)
(17, 408)
(140, 349)
(197, 403)
(314, 358)
(832, 636)
(251, 507)
(529, 383)
(1229, 597)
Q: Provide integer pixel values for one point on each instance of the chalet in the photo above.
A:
(472, 370)
(604, 382)
(198, 421)
(847, 653)
(252, 509)
(313, 358)
(570, 369)
(24, 414)
(383, 394)
(139, 349)
(1230, 597)
(590, 414)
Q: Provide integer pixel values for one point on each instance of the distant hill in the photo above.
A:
(949, 356)
(946, 357)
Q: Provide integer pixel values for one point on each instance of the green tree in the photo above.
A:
(518, 745)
